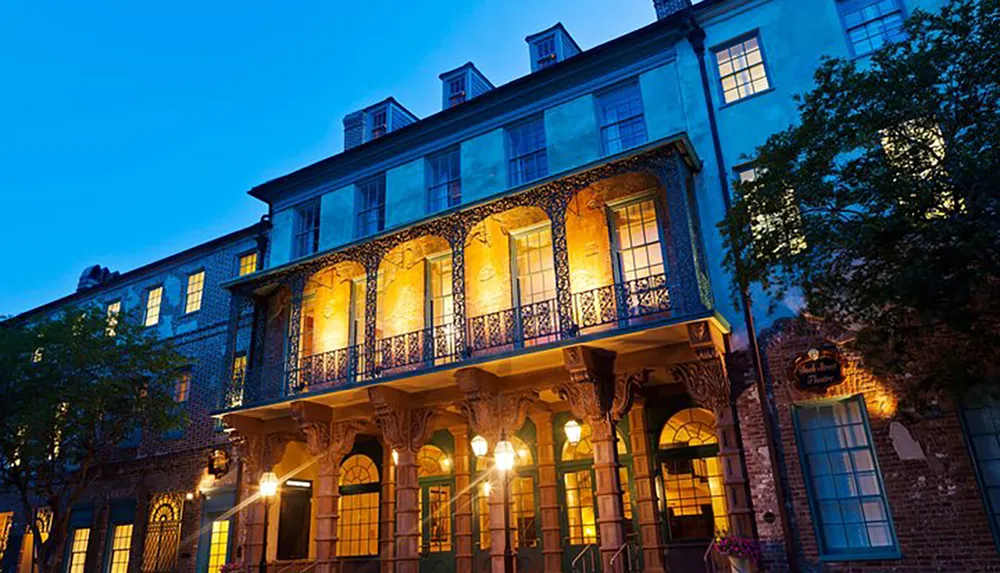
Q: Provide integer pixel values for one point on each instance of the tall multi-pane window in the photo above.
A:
(371, 206)
(440, 296)
(6, 521)
(114, 311)
(153, 299)
(981, 413)
(638, 241)
(357, 529)
(870, 24)
(546, 52)
(163, 533)
(622, 123)
(445, 189)
(247, 264)
(78, 550)
(121, 548)
(692, 475)
(847, 498)
(195, 289)
(306, 229)
(218, 546)
(534, 268)
(182, 386)
(526, 147)
(741, 69)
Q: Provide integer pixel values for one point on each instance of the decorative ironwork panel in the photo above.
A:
(556, 209)
(622, 301)
(422, 347)
(297, 286)
(457, 240)
(163, 533)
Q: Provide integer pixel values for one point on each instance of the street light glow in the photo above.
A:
(268, 484)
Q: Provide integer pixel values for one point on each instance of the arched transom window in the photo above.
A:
(432, 462)
(692, 475)
(357, 529)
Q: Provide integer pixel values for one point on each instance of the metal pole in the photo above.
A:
(263, 550)
(508, 556)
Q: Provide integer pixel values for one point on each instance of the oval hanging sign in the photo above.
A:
(818, 369)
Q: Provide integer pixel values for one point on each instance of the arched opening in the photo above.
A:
(694, 499)
(624, 217)
(510, 281)
(415, 315)
(332, 314)
(357, 529)
(437, 489)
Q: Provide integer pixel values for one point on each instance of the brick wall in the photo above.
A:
(936, 505)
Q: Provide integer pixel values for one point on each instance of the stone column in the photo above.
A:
(387, 521)
(328, 442)
(548, 493)
(649, 516)
(404, 429)
(596, 396)
(497, 540)
(463, 500)
(707, 383)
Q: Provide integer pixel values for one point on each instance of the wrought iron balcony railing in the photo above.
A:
(603, 309)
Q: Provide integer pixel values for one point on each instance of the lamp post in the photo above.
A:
(268, 489)
(504, 454)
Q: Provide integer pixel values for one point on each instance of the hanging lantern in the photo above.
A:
(268, 484)
(504, 454)
(573, 432)
(480, 446)
(395, 458)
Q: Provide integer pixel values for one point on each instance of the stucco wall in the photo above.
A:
(336, 224)
(571, 134)
(279, 251)
(405, 193)
(484, 166)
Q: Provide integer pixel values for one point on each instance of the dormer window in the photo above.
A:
(380, 124)
(456, 91)
(546, 52)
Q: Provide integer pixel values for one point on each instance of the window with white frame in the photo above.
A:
(545, 52)
(847, 498)
(638, 241)
(742, 72)
(870, 24)
(247, 264)
(379, 122)
(195, 289)
(154, 297)
(445, 188)
(456, 90)
(526, 147)
(371, 206)
(306, 229)
(534, 270)
(622, 123)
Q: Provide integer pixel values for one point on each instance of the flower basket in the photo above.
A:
(743, 553)
(232, 567)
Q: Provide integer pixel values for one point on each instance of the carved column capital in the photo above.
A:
(403, 428)
(489, 411)
(274, 447)
(594, 392)
(706, 381)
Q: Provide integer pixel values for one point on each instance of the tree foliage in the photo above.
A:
(880, 204)
(74, 387)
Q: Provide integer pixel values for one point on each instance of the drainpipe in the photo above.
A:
(696, 37)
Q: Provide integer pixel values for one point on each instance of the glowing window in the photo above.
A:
(218, 546)
(536, 276)
(121, 548)
(163, 533)
(435, 524)
(153, 299)
(78, 550)
(432, 461)
(182, 386)
(248, 264)
(692, 475)
(6, 521)
(114, 310)
(195, 289)
(580, 515)
(741, 69)
(522, 512)
(357, 529)
(637, 233)
(584, 449)
(766, 223)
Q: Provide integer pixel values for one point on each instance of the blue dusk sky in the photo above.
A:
(133, 130)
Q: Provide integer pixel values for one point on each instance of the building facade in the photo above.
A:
(532, 277)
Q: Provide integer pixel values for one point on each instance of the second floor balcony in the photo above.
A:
(609, 251)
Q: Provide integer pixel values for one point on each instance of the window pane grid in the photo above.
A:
(121, 544)
(357, 530)
(371, 206)
(982, 419)
(696, 501)
(546, 49)
(622, 123)
(580, 517)
(536, 278)
(639, 249)
(307, 229)
(438, 519)
(78, 550)
(871, 25)
(153, 299)
(446, 182)
(248, 264)
(849, 501)
(528, 159)
(195, 288)
(741, 70)
(218, 548)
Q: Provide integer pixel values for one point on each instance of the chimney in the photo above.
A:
(462, 84)
(550, 47)
(375, 121)
(666, 8)
(94, 276)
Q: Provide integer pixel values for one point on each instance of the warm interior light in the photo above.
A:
(446, 463)
(268, 484)
(573, 431)
(487, 486)
(480, 446)
(189, 496)
(395, 458)
(504, 454)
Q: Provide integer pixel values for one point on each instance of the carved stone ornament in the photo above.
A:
(274, 447)
(403, 429)
(706, 381)
(488, 413)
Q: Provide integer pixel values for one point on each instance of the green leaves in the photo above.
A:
(893, 165)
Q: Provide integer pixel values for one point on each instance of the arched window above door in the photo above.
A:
(357, 470)
(689, 427)
(433, 461)
(584, 449)
(357, 528)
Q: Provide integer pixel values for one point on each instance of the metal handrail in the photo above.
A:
(586, 550)
(619, 552)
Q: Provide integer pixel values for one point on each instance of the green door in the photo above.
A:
(437, 526)
(580, 520)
